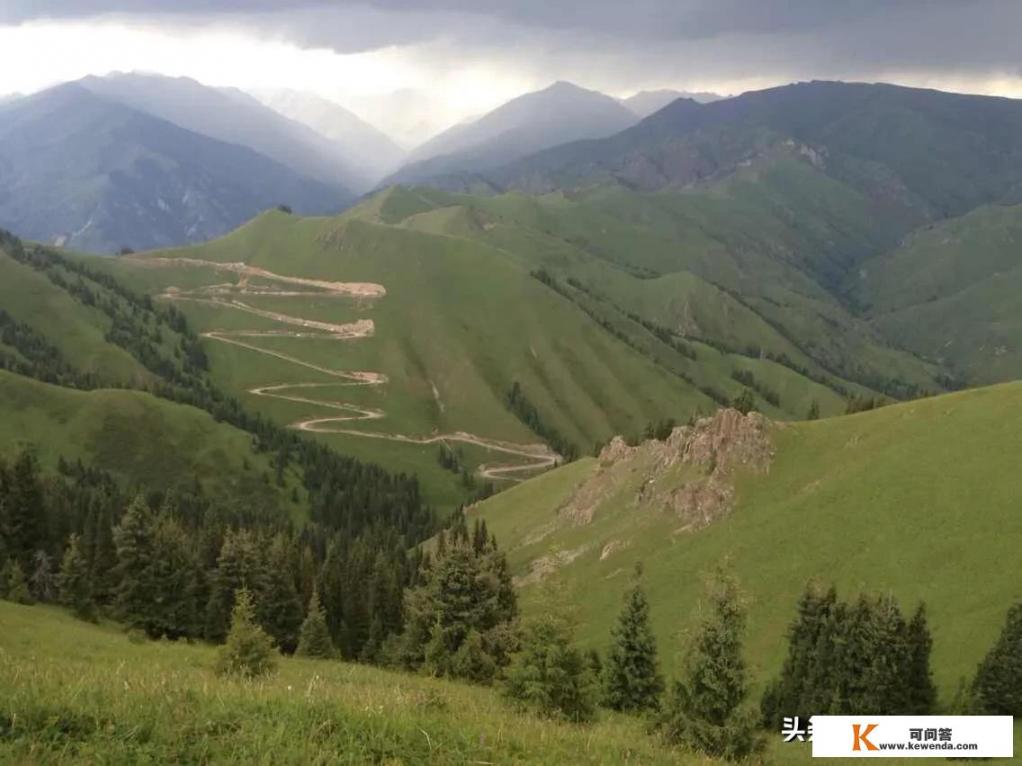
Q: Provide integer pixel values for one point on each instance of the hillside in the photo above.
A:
(88, 173)
(866, 502)
(921, 152)
(141, 440)
(949, 292)
(234, 117)
(558, 114)
(416, 330)
(161, 701)
(730, 266)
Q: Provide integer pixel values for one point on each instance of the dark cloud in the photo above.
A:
(658, 19)
(618, 40)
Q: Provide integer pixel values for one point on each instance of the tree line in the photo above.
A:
(170, 563)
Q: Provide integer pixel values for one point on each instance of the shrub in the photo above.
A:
(549, 675)
(249, 651)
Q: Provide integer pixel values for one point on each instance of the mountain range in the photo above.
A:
(85, 172)
(560, 113)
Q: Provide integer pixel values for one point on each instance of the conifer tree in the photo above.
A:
(43, 581)
(24, 510)
(788, 695)
(705, 709)
(136, 589)
(631, 674)
(248, 651)
(459, 622)
(549, 675)
(240, 565)
(173, 572)
(814, 411)
(75, 581)
(997, 688)
(922, 694)
(281, 612)
(314, 640)
(17, 587)
(102, 555)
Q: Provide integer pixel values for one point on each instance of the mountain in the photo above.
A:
(560, 113)
(928, 153)
(645, 102)
(865, 502)
(811, 205)
(949, 292)
(233, 116)
(465, 328)
(372, 153)
(89, 173)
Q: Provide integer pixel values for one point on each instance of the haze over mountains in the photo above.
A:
(645, 102)
(371, 152)
(558, 114)
(88, 173)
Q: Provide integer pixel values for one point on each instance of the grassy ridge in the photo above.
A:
(80, 693)
(76, 330)
(919, 499)
(140, 439)
(950, 292)
(75, 693)
(461, 322)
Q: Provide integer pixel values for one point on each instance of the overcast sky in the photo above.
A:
(440, 61)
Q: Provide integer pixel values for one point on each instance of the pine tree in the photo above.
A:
(788, 695)
(24, 511)
(281, 612)
(631, 675)
(922, 694)
(136, 589)
(814, 411)
(240, 565)
(459, 622)
(706, 709)
(248, 651)
(549, 675)
(997, 688)
(17, 587)
(75, 581)
(43, 581)
(173, 572)
(314, 640)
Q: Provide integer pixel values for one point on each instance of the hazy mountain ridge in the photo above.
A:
(560, 113)
(646, 102)
(373, 153)
(94, 174)
(233, 116)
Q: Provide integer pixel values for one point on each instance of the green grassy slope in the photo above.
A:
(950, 292)
(752, 262)
(919, 499)
(77, 693)
(140, 439)
(81, 693)
(461, 321)
(75, 329)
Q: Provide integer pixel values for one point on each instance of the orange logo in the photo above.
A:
(861, 737)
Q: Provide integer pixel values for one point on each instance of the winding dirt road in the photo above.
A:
(227, 295)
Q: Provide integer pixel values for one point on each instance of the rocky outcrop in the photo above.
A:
(719, 446)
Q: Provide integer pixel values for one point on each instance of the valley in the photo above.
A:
(595, 428)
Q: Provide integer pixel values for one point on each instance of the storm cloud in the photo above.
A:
(617, 47)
